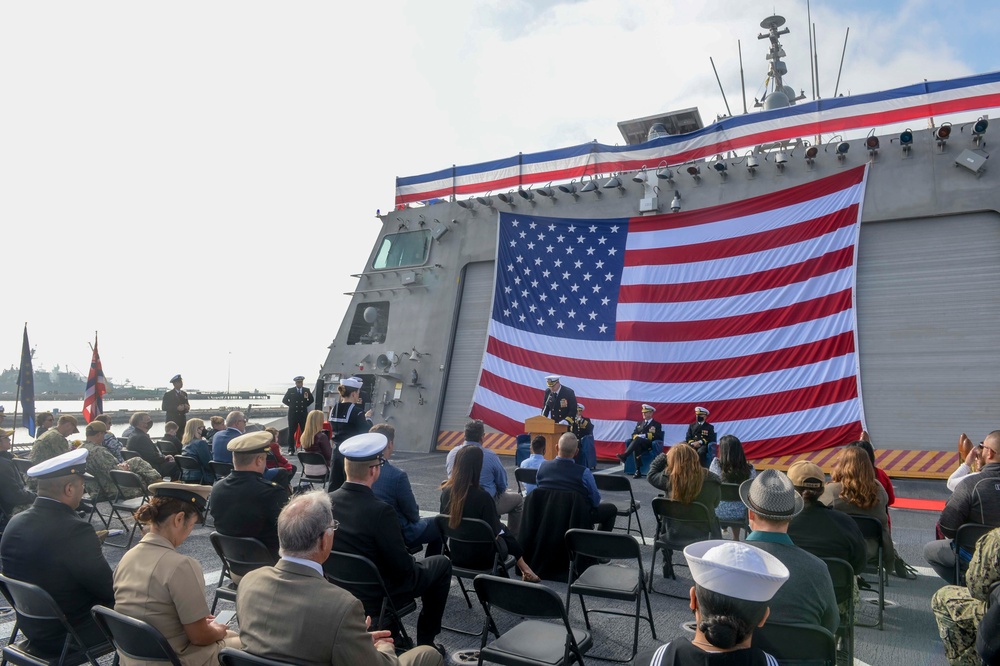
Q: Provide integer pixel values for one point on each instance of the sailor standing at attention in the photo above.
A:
(346, 420)
(297, 399)
(559, 403)
(175, 403)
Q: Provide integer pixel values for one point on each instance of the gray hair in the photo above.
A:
(137, 418)
(233, 417)
(303, 521)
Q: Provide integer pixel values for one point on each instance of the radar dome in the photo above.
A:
(776, 100)
(657, 131)
(371, 314)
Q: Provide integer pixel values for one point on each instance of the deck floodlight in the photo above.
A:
(614, 183)
(547, 192)
(665, 173)
(752, 163)
(779, 160)
(485, 201)
(591, 186)
(526, 194)
(906, 140)
(979, 129)
(569, 188)
(507, 198)
(941, 134)
(465, 203)
(675, 203)
(720, 166)
(640, 176)
(872, 143)
(842, 149)
(695, 172)
(811, 153)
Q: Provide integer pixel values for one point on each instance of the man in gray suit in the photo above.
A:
(289, 612)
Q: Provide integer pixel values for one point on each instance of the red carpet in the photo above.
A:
(918, 504)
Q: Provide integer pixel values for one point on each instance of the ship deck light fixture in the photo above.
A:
(527, 195)
(779, 160)
(811, 153)
(664, 172)
(905, 140)
(721, 167)
(467, 204)
(569, 188)
(640, 176)
(675, 203)
(941, 134)
(979, 129)
(841, 148)
(486, 201)
(872, 143)
(591, 186)
(614, 183)
(507, 198)
(695, 172)
(548, 192)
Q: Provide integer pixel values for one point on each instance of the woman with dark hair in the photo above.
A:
(733, 583)
(346, 420)
(461, 497)
(679, 474)
(156, 584)
(854, 490)
(732, 467)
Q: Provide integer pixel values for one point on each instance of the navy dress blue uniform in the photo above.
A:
(644, 434)
(347, 419)
(175, 404)
(700, 435)
(559, 405)
(51, 546)
(244, 504)
(297, 399)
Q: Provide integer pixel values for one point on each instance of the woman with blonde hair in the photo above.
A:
(679, 474)
(854, 490)
(315, 440)
(196, 447)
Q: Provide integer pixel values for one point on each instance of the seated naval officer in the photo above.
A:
(369, 527)
(393, 488)
(51, 546)
(562, 473)
(290, 613)
(701, 434)
(646, 431)
(245, 504)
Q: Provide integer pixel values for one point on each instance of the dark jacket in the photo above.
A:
(560, 405)
(975, 500)
(200, 451)
(298, 405)
(651, 431)
(12, 490)
(701, 433)
(245, 505)
(826, 532)
(547, 516)
(51, 546)
(140, 443)
(173, 401)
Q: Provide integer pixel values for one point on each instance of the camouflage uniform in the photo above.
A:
(48, 446)
(959, 610)
(100, 462)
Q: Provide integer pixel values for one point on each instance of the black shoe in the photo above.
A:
(621, 457)
(637, 475)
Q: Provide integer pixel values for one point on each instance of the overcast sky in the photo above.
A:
(198, 180)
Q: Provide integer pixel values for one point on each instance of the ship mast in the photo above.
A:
(782, 95)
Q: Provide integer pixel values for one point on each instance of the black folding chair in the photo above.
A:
(359, 576)
(134, 638)
(842, 575)
(22, 465)
(31, 601)
(531, 641)
(473, 549)
(607, 581)
(240, 556)
(525, 475)
(678, 525)
(615, 483)
(797, 645)
(233, 657)
(966, 540)
(317, 459)
(124, 479)
(188, 464)
(220, 469)
(731, 493)
(871, 530)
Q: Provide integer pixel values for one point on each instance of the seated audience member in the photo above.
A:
(970, 466)
(140, 442)
(54, 442)
(276, 460)
(169, 444)
(562, 473)
(734, 583)
(679, 474)
(854, 490)
(646, 431)
(196, 447)
(988, 641)
(217, 424)
(808, 598)
(369, 527)
(51, 546)
(535, 460)
(290, 613)
(236, 425)
(461, 497)
(975, 500)
(156, 584)
(100, 462)
(494, 479)
(393, 488)
(45, 421)
(245, 504)
(314, 439)
(959, 610)
(111, 442)
(701, 435)
(14, 497)
(731, 466)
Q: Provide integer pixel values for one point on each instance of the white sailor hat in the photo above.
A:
(701, 410)
(64, 464)
(299, 378)
(648, 408)
(362, 448)
(552, 379)
(579, 407)
(175, 378)
(185, 492)
(735, 569)
(351, 382)
(251, 442)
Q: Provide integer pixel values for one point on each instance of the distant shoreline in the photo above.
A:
(122, 416)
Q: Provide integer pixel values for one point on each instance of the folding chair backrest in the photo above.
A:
(870, 527)
(356, 574)
(311, 458)
(525, 475)
(134, 638)
(31, 601)
(520, 598)
(187, 463)
(613, 483)
(241, 555)
(731, 492)
(22, 465)
(471, 545)
(796, 644)
(220, 469)
(234, 657)
(968, 536)
(842, 575)
(602, 545)
(687, 523)
(125, 479)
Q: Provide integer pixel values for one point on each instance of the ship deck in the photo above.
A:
(910, 635)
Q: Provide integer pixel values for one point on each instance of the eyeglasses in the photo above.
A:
(332, 527)
(380, 463)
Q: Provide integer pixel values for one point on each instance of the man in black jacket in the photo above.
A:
(51, 546)
(12, 491)
(175, 403)
(701, 434)
(297, 399)
(369, 527)
(140, 442)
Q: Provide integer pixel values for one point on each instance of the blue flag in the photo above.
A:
(26, 383)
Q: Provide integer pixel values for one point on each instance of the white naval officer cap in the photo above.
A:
(365, 447)
(648, 408)
(351, 382)
(579, 407)
(64, 464)
(701, 410)
(175, 379)
(552, 379)
(299, 378)
(735, 569)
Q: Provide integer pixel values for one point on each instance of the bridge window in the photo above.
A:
(406, 249)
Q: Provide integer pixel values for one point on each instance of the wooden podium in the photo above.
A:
(547, 428)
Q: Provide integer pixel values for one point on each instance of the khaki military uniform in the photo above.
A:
(100, 462)
(959, 610)
(156, 584)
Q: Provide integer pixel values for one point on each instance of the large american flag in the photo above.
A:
(744, 308)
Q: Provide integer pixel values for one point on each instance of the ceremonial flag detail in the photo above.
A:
(746, 308)
(97, 386)
(26, 386)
